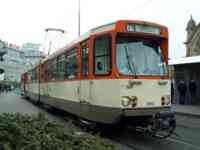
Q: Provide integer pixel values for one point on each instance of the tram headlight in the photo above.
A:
(129, 100)
(125, 101)
(166, 100)
(163, 100)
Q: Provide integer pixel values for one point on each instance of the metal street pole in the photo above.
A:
(79, 17)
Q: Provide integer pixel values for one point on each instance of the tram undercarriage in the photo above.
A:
(160, 125)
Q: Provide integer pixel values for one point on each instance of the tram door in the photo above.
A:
(84, 83)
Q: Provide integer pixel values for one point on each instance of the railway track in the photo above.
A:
(139, 142)
(184, 142)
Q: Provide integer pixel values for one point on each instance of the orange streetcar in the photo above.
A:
(114, 74)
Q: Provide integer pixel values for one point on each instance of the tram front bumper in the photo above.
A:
(145, 111)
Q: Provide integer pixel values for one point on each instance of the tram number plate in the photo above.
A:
(150, 103)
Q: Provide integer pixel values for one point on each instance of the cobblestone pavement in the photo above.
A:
(187, 138)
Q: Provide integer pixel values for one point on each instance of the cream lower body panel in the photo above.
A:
(100, 100)
(148, 92)
(100, 114)
(33, 97)
(32, 92)
(86, 99)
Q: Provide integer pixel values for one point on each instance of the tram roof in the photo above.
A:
(185, 60)
(99, 29)
(103, 28)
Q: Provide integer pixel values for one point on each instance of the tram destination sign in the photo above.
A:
(143, 28)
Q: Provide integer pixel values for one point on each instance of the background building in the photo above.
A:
(2, 53)
(13, 63)
(193, 38)
(15, 60)
(2, 49)
(187, 69)
(32, 53)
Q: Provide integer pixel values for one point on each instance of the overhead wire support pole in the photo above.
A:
(79, 18)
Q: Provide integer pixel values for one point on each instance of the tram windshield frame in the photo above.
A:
(139, 56)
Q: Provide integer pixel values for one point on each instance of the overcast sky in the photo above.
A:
(25, 20)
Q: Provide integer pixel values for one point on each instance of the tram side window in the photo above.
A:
(84, 61)
(34, 75)
(102, 55)
(49, 74)
(72, 65)
(52, 70)
(61, 67)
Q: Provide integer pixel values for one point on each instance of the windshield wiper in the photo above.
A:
(162, 64)
(131, 66)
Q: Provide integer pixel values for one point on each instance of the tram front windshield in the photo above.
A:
(136, 56)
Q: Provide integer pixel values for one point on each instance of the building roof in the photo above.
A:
(185, 60)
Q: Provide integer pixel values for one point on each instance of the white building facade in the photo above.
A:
(15, 60)
(32, 53)
(13, 64)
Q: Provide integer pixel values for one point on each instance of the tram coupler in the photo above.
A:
(163, 122)
(167, 114)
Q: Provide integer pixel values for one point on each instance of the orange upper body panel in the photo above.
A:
(118, 27)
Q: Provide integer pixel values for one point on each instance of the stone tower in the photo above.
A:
(191, 26)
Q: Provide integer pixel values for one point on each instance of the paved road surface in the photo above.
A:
(12, 102)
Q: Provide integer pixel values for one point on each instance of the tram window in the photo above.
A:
(102, 55)
(72, 65)
(34, 75)
(52, 70)
(61, 67)
(85, 61)
(48, 71)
